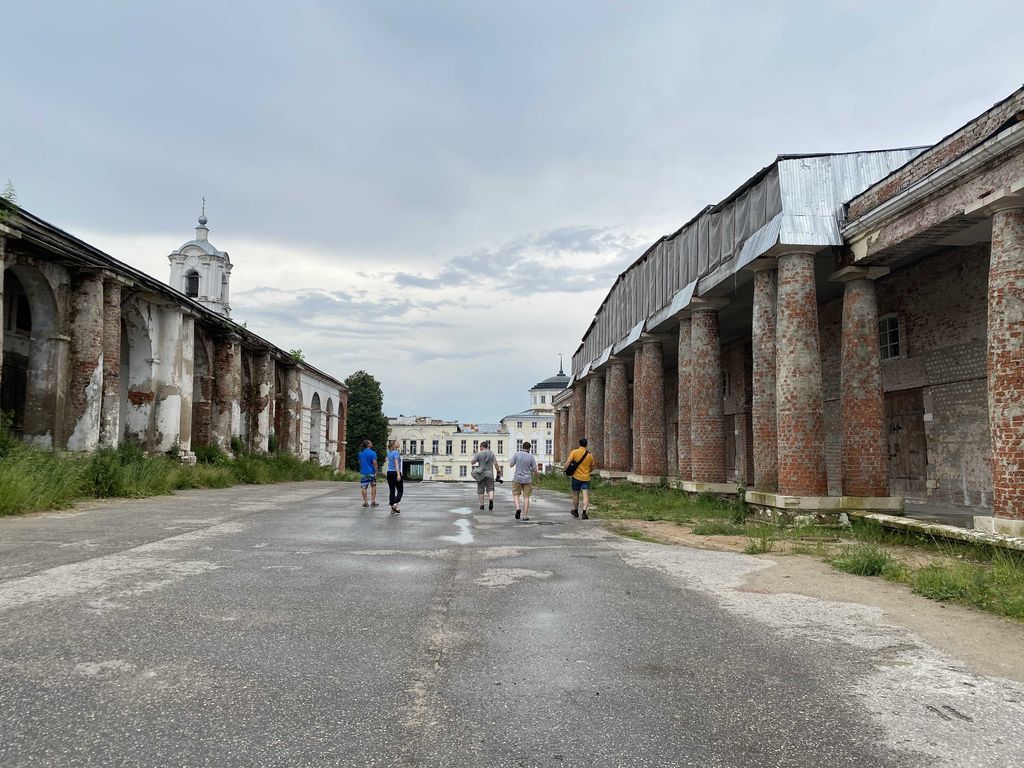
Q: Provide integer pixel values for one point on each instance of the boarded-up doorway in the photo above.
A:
(729, 427)
(908, 449)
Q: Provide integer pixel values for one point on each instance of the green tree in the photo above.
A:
(366, 419)
(8, 201)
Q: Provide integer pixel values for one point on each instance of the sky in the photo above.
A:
(442, 193)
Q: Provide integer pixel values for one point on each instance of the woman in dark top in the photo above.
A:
(395, 485)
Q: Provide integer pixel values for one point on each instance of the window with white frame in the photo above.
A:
(543, 399)
(462, 447)
(434, 446)
(462, 470)
(476, 446)
(448, 469)
(519, 444)
(448, 447)
(519, 425)
(547, 447)
(890, 344)
(533, 425)
(501, 446)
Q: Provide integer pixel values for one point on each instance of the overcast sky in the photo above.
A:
(442, 193)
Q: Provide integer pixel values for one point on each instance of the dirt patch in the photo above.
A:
(989, 644)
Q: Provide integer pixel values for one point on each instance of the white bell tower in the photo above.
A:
(202, 272)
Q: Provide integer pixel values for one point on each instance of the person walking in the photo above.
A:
(485, 470)
(583, 462)
(395, 485)
(368, 474)
(525, 465)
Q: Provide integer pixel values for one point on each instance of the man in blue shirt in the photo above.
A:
(368, 473)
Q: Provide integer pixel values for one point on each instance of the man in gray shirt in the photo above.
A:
(525, 464)
(485, 469)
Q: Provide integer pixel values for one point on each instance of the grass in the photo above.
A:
(762, 540)
(864, 560)
(717, 528)
(632, 533)
(32, 479)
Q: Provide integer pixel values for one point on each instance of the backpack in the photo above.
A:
(572, 466)
(479, 471)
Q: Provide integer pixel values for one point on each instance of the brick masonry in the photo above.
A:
(1006, 361)
(707, 436)
(227, 390)
(865, 462)
(595, 418)
(616, 404)
(684, 451)
(634, 420)
(765, 437)
(798, 390)
(579, 413)
(85, 392)
(110, 416)
(650, 432)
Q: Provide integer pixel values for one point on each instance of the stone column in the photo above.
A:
(616, 408)
(188, 371)
(227, 390)
(650, 432)
(865, 459)
(291, 419)
(110, 418)
(707, 424)
(684, 437)
(1006, 360)
(766, 441)
(635, 415)
(263, 385)
(595, 417)
(579, 413)
(85, 390)
(798, 394)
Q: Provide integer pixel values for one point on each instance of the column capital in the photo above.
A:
(760, 265)
(1008, 198)
(848, 274)
(795, 250)
(709, 304)
(652, 338)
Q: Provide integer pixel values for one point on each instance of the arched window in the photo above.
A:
(192, 283)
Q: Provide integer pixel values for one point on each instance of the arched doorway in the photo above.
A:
(329, 425)
(31, 357)
(315, 427)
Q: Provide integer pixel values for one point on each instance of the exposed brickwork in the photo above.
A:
(110, 418)
(947, 150)
(671, 378)
(798, 382)
(260, 398)
(579, 413)
(634, 419)
(707, 436)
(737, 362)
(865, 461)
(765, 438)
(595, 418)
(291, 416)
(616, 404)
(85, 390)
(650, 433)
(1006, 362)
(227, 390)
(556, 437)
(684, 451)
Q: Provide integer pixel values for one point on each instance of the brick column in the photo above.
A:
(556, 427)
(766, 441)
(798, 381)
(616, 408)
(635, 412)
(291, 419)
(595, 417)
(263, 386)
(684, 437)
(110, 418)
(85, 389)
(707, 424)
(579, 413)
(650, 432)
(1006, 361)
(865, 459)
(227, 390)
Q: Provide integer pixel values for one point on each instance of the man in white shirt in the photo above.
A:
(525, 465)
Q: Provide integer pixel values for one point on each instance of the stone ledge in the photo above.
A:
(612, 474)
(944, 531)
(831, 504)
(691, 486)
(645, 479)
(999, 525)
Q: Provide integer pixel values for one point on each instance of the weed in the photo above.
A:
(632, 533)
(864, 560)
(717, 528)
(762, 540)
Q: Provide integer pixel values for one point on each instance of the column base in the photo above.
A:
(819, 509)
(613, 474)
(645, 479)
(692, 486)
(186, 457)
(1007, 526)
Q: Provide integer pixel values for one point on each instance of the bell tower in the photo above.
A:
(202, 272)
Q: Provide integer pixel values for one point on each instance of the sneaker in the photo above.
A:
(518, 513)
(365, 504)
(585, 516)
(490, 504)
(393, 510)
(574, 513)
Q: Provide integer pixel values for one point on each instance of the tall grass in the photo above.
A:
(32, 479)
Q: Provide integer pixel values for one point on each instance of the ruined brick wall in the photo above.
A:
(737, 395)
(672, 420)
(85, 392)
(830, 329)
(949, 149)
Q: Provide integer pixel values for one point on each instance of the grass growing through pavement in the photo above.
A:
(32, 479)
(983, 577)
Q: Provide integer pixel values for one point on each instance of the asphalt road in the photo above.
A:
(289, 626)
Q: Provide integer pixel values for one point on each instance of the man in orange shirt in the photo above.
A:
(581, 478)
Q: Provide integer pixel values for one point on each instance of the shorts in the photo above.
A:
(580, 485)
(365, 481)
(485, 486)
(522, 488)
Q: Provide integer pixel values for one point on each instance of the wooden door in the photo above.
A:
(908, 449)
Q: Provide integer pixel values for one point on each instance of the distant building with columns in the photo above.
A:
(842, 332)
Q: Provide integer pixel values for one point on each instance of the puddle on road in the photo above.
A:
(465, 536)
(461, 511)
